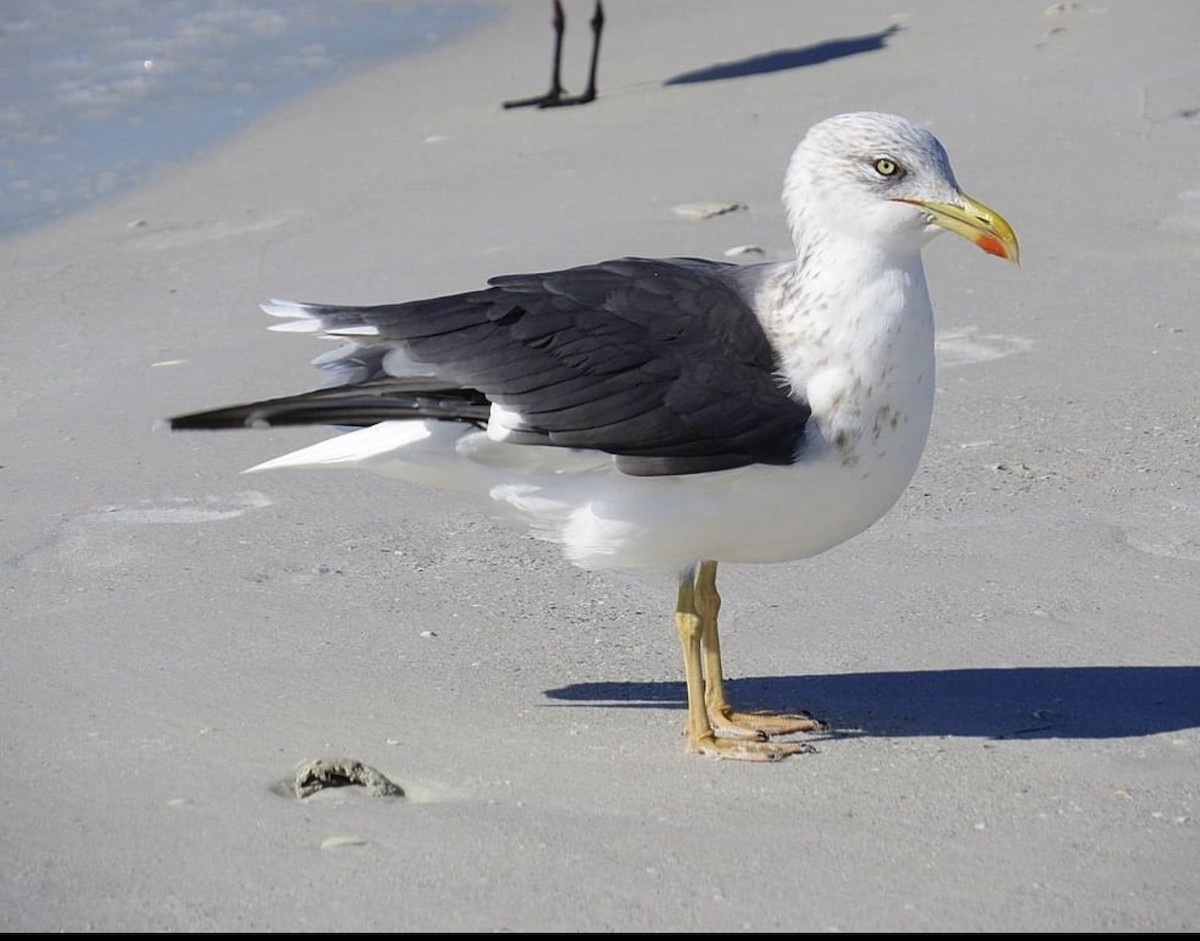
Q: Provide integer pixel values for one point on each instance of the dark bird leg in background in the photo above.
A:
(554, 97)
(590, 93)
(556, 89)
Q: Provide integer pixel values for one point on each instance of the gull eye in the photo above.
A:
(887, 167)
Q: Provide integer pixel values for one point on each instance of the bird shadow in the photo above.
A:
(783, 59)
(1019, 702)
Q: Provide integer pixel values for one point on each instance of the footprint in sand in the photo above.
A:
(178, 510)
(965, 346)
(99, 539)
(1186, 219)
(1173, 98)
(1173, 533)
(150, 238)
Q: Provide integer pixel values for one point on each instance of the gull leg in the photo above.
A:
(556, 89)
(701, 737)
(589, 94)
(722, 716)
(687, 622)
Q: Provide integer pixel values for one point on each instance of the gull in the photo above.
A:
(667, 415)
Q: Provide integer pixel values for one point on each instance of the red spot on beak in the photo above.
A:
(993, 246)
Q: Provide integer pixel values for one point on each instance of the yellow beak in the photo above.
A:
(975, 222)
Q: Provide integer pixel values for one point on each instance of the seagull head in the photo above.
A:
(880, 178)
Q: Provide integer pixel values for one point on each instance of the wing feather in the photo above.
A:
(662, 363)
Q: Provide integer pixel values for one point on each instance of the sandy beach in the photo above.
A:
(1009, 661)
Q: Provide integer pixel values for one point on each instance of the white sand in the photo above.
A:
(1016, 644)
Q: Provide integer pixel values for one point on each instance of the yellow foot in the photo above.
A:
(760, 726)
(740, 750)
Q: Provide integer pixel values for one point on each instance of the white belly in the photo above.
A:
(604, 519)
(752, 514)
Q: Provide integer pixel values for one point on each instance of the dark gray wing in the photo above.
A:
(659, 362)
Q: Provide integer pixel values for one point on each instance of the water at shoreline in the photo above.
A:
(98, 96)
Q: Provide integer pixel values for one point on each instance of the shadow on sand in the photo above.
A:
(1025, 702)
(782, 59)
